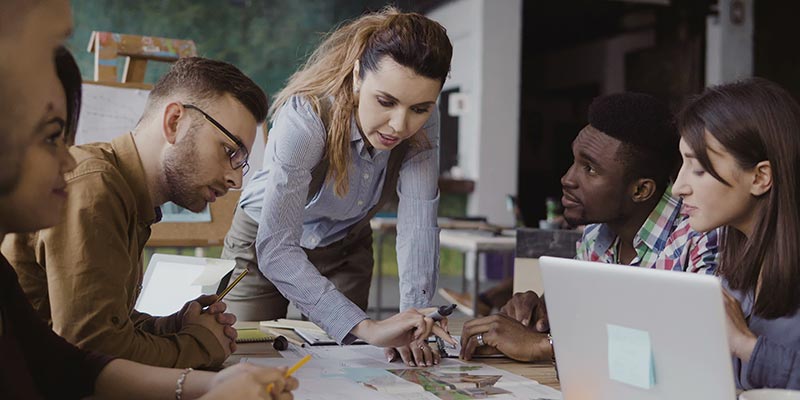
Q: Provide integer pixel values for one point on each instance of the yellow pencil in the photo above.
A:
(228, 289)
(291, 370)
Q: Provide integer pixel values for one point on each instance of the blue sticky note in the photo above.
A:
(630, 356)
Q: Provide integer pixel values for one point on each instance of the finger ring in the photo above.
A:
(479, 338)
(422, 347)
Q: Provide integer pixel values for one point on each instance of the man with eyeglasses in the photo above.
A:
(84, 275)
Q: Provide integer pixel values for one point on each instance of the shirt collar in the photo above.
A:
(360, 142)
(655, 230)
(355, 133)
(130, 166)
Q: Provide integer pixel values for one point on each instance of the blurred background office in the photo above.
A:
(523, 74)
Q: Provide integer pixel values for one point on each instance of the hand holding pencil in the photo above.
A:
(249, 381)
(290, 371)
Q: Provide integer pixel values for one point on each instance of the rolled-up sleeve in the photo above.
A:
(299, 139)
(417, 229)
(773, 365)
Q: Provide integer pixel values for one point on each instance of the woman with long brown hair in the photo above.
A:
(357, 124)
(741, 171)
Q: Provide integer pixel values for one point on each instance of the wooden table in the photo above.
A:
(542, 372)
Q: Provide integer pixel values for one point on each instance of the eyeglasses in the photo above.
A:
(238, 156)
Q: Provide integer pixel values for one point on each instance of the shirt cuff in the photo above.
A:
(337, 316)
(418, 304)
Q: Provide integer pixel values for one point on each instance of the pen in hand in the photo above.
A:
(442, 312)
(228, 289)
(291, 370)
(436, 315)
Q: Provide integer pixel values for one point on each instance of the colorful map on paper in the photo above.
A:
(361, 372)
(454, 383)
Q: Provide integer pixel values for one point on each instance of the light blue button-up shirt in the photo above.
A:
(296, 145)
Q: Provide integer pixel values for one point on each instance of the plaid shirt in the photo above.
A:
(665, 241)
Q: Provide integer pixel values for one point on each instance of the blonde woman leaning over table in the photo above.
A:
(355, 126)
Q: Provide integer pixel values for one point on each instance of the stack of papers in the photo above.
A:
(317, 337)
(307, 330)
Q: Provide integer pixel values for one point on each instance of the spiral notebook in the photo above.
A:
(252, 335)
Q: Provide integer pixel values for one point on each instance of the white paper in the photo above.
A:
(360, 372)
(168, 289)
(290, 324)
(171, 284)
(319, 337)
(108, 111)
(213, 272)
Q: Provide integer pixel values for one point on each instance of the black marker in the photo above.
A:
(442, 312)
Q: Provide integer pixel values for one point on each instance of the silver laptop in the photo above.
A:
(624, 332)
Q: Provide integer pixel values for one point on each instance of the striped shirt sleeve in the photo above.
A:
(299, 139)
(417, 228)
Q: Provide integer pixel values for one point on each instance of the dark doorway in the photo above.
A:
(566, 64)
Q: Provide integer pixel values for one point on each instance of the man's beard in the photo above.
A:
(179, 176)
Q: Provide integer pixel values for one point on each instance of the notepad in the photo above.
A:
(290, 324)
(251, 335)
(319, 338)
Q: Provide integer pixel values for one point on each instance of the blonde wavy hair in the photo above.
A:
(410, 39)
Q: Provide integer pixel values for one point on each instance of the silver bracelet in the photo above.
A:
(179, 384)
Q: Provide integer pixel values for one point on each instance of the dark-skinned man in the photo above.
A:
(618, 185)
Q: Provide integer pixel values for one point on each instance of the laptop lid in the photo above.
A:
(605, 319)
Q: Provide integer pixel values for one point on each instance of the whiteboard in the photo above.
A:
(110, 111)
(107, 112)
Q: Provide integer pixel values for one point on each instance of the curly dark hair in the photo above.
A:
(646, 128)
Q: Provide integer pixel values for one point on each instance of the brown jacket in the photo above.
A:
(85, 274)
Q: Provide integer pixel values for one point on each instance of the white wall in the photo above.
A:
(486, 37)
(729, 44)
